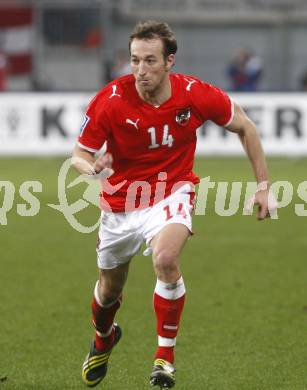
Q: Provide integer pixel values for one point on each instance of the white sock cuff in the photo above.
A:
(166, 342)
(96, 295)
(170, 291)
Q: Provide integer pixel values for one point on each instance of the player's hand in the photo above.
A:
(102, 162)
(102, 167)
(262, 200)
(267, 204)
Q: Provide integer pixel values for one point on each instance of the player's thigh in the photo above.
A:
(170, 223)
(170, 240)
(118, 241)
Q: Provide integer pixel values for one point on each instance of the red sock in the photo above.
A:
(103, 318)
(168, 304)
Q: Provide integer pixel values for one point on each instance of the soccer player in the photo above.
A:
(148, 120)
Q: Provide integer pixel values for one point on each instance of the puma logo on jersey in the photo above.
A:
(114, 87)
(190, 82)
(130, 122)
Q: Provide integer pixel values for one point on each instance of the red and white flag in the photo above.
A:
(16, 37)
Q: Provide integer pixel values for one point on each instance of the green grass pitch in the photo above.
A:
(244, 325)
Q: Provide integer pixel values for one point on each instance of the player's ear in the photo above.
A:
(170, 61)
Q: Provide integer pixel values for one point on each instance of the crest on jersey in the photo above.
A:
(183, 116)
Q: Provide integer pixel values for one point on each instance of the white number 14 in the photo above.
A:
(167, 138)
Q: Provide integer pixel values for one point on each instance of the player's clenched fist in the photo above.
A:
(102, 162)
(103, 166)
(85, 162)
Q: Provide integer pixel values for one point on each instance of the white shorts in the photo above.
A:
(121, 234)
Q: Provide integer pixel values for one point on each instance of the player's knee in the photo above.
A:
(166, 260)
(109, 293)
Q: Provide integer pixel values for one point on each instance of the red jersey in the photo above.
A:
(152, 147)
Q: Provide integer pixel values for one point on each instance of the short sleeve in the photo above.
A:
(213, 104)
(94, 129)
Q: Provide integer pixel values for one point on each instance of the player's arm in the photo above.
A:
(250, 140)
(247, 132)
(85, 162)
(93, 135)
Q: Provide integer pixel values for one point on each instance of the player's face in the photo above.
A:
(148, 64)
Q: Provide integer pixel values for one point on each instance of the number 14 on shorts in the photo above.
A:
(178, 211)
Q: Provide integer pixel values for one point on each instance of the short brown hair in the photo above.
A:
(151, 29)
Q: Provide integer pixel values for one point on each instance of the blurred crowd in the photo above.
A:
(245, 71)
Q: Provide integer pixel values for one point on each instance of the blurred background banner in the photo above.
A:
(54, 56)
(48, 124)
(40, 124)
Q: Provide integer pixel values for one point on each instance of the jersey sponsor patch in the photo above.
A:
(85, 121)
(183, 116)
